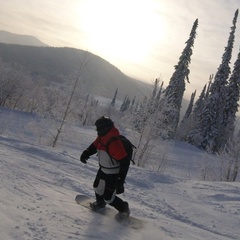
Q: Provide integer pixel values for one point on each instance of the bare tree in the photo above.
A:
(68, 104)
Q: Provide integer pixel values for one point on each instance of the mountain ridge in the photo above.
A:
(13, 38)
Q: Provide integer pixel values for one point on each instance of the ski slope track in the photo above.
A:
(38, 185)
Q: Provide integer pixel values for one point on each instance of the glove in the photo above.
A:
(120, 187)
(84, 157)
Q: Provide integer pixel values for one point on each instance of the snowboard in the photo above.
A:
(130, 221)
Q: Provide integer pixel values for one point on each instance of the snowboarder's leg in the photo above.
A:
(99, 187)
(111, 198)
(121, 206)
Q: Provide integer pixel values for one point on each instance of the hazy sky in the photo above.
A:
(143, 38)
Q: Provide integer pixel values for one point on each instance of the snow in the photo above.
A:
(38, 185)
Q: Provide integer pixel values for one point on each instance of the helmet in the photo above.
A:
(104, 122)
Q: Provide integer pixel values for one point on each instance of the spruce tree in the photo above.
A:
(231, 106)
(123, 106)
(133, 104)
(159, 94)
(209, 86)
(173, 94)
(212, 116)
(184, 126)
(114, 98)
(194, 132)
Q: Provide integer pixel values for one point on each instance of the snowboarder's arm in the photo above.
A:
(91, 149)
(87, 153)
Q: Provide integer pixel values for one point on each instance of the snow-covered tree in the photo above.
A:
(132, 106)
(231, 104)
(186, 121)
(193, 134)
(159, 94)
(147, 121)
(114, 98)
(88, 111)
(147, 107)
(229, 159)
(173, 94)
(209, 85)
(13, 83)
(125, 105)
(212, 118)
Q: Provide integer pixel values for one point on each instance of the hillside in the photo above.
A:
(99, 76)
(39, 184)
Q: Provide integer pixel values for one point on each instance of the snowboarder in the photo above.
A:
(107, 180)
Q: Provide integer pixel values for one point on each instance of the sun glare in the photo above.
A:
(126, 30)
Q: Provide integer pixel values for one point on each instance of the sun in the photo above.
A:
(125, 30)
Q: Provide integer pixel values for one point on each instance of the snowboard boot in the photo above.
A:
(97, 205)
(125, 211)
(122, 207)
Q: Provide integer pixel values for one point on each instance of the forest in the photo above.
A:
(209, 122)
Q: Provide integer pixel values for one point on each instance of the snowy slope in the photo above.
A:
(39, 184)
